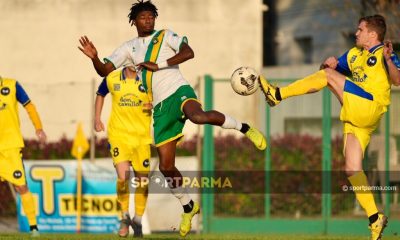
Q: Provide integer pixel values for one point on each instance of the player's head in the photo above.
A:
(143, 15)
(370, 28)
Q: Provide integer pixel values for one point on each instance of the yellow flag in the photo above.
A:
(80, 145)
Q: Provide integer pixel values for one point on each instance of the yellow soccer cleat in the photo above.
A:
(378, 226)
(257, 138)
(269, 91)
(186, 223)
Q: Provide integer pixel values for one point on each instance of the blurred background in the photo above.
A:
(284, 40)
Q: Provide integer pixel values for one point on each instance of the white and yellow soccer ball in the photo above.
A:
(244, 81)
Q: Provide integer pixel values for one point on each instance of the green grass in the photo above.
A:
(192, 236)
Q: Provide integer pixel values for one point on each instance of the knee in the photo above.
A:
(198, 117)
(351, 170)
(21, 189)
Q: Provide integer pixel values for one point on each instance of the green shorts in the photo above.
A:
(168, 116)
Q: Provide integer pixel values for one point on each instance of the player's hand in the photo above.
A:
(330, 62)
(387, 50)
(41, 135)
(147, 65)
(98, 126)
(87, 47)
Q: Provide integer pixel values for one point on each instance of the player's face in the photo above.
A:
(362, 35)
(145, 22)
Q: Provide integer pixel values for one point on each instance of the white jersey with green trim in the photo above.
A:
(165, 81)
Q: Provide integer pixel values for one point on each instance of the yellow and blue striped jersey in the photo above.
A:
(130, 117)
(367, 70)
(11, 92)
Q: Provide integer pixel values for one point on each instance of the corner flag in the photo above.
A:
(80, 145)
(79, 148)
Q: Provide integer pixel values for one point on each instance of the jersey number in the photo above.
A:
(115, 152)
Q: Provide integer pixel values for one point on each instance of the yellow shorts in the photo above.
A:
(360, 114)
(138, 156)
(11, 166)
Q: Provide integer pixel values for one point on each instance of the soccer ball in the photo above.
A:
(244, 81)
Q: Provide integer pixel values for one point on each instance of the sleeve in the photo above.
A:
(395, 60)
(103, 89)
(343, 66)
(174, 41)
(120, 56)
(34, 115)
(22, 96)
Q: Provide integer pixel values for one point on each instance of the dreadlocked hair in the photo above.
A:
(141, 6)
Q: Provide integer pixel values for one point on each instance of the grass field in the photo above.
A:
(193, 236)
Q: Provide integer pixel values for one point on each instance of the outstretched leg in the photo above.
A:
(193, 111)
(310, 84)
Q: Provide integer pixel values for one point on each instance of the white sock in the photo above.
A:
(231, 123)
(181, 194)
(137, 219)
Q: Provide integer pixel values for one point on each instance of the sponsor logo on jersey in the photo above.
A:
(353, 59)
(141, 88)
(146, 163)
(17, 174)
(130, 100)
(5, 91)
(133, 49)
(371, 61)
(117, 87)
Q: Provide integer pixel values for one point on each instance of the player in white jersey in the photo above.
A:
(157, 55)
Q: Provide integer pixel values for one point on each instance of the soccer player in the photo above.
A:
(129, 137)
(157, 55)
(11, 143)
(361, 80)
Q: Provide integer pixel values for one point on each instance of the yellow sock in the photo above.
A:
(28, 204)
(141, 195)
(309, 84)
(363, 195)
(123, 195)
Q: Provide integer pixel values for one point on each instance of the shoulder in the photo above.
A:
(114, 74)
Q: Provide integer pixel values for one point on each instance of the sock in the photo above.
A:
(188, 207)
(364, 197)
(141, 195)
(123, 196)
(231, 123)
(137, 219)
(309, 84)
(28, 204)
(181, 194)
(373, 218)
(245, 128)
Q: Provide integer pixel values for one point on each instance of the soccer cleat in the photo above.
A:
(186, 223)
(124, 226)
(257, 138)
(269, 91)
(378, 226)
(137, 229)
(35, 233)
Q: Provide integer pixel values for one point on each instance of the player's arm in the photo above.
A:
(180, 45)
(392, 63)
(88, 48)
(98, 105)
(22, 97)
